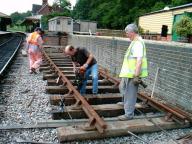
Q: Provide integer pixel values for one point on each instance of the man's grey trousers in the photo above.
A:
(129, 93)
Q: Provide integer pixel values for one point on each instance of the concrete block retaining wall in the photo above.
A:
(174, 83)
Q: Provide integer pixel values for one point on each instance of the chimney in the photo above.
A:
(44, 2)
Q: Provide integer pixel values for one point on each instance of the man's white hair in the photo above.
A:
(131, 28)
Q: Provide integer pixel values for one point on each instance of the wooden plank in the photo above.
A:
(65, 68)
(48, 68)
(93, 100)
(70, 76)
(49, 76)
(56, 89)
(52, 71)
(52, 82)
(61, 123)
(63, 64)
(63, 61)
(53, 76)
(63, 90)
(44, 68)
(118, 128)
(105, 110)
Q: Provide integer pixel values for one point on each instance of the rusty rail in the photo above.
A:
(94, 119)
(175, 113)
(106, 75)
(162, 107)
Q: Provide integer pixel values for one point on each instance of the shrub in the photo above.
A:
(184, 26)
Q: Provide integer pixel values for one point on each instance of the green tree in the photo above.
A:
(65, 4)
(179, 2)
(116, 14)
(158, 6)
(45, 19)
(19, 16)
(82, 9)
(184, 26)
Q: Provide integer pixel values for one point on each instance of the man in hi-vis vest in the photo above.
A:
(34, 46)
(134, 67)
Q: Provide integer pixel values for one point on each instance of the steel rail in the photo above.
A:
(5, 66)
(6, 41)
(174, 111)
(186, 114)
(94, 119)
(162, 106)
(108, 77)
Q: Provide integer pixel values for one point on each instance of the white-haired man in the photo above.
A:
(81, 57)
(134, 67)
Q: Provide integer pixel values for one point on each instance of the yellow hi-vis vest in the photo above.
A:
(33, 38)
(129, 63)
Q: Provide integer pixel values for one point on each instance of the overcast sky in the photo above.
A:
(11, 6)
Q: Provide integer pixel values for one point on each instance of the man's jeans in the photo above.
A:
(129, 92)
(93, 70)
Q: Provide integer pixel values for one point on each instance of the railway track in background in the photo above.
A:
(95, 116)
(8, 49)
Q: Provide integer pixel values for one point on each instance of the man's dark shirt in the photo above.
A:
(81, 57)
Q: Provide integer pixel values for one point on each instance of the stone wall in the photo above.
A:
(174, 82)
(55, 39)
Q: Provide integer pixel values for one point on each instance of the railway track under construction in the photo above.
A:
(74, 116)
(95, 116)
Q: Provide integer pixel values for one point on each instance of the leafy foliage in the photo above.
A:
(64, 4)
(184, 26)
(113, 14)
(116, 14)
(45, 19)
(18, 17)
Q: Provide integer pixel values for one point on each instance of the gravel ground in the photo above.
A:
(18, 110)
(25, 87)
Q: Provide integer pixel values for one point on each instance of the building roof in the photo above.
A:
(79, 21)
(43, 7)
(35, 8)
(31, 19)
(2, 15)
(60, 17)
(35, 17)
(170, 9)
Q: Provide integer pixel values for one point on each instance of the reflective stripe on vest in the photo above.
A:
(33, 38)
(129, 63)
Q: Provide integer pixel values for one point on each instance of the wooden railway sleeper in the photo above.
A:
(99, 123)
(77, 105)
(89, 126)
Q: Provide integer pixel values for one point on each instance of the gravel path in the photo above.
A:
(18, 111)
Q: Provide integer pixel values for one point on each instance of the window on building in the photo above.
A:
(69, 22)
(58, 22)
(164, 30)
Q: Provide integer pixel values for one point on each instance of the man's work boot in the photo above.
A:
(120, 103)
(124, 118)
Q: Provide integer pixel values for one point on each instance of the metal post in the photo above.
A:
(156, 75)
